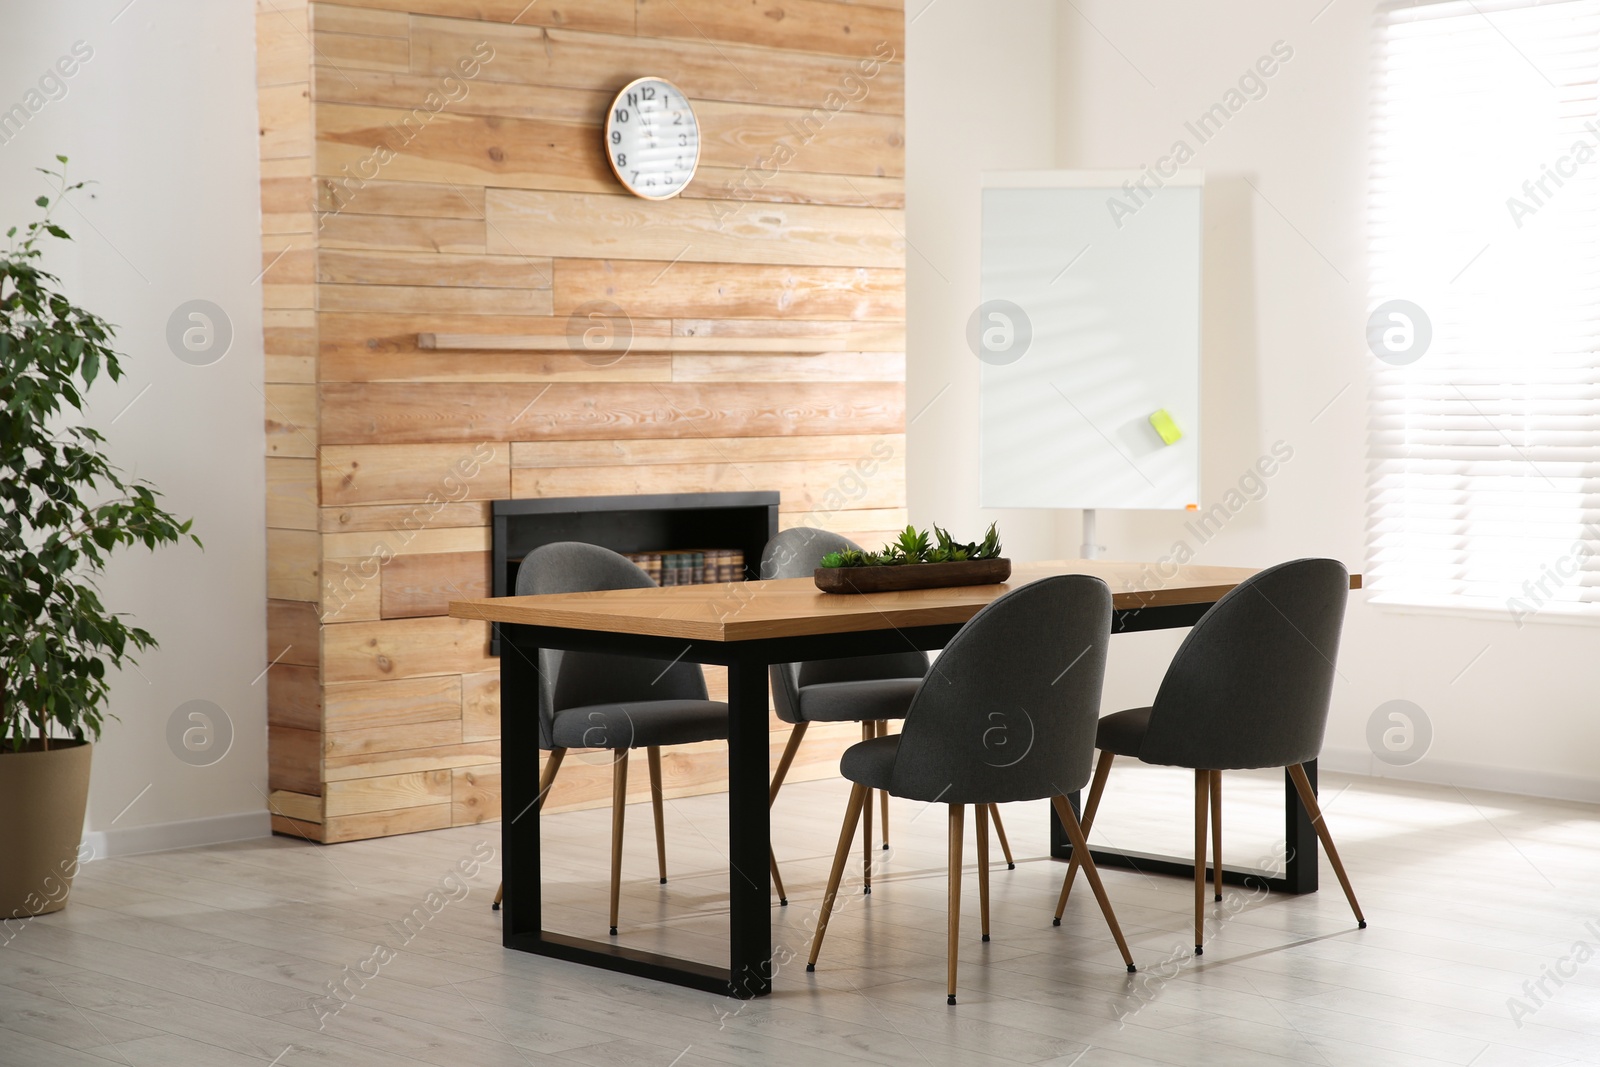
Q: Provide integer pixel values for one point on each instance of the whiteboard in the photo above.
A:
(1090, 324)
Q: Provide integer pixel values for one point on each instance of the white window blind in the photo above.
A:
(1484, 453)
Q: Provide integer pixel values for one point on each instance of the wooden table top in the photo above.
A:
(794, 607)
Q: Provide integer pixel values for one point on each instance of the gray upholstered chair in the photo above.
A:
(596, 700)
(1008, 715)
(870, 690)
(1248, 688)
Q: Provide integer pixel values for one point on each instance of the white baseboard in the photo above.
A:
(1466, 775)
(163, 837)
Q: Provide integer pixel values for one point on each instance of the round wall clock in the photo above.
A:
(652, 139)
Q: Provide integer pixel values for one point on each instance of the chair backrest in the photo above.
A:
(796, 553)
(1250, 685)
(579, 679)
(1008, 711)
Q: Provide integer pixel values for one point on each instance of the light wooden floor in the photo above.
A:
(214, 956)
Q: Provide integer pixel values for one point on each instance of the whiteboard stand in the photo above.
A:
(1089, 550)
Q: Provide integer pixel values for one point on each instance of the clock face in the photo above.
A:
(652, 139)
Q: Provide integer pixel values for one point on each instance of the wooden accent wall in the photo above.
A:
(436, 167)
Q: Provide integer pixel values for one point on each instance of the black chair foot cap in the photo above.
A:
(951, 1000)
(810, 967)
(867, 890)
(1217, 898)
(1056, 921)
(1132, 969)
(664, 882)
(494, 907)
(886, 846)
(1361, 924)
(1199, 950)
(783, 902)
(613, 931)
(986, 937)
(1011, 866)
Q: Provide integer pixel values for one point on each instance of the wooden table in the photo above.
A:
(747, 626)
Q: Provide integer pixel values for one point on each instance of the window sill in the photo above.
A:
(1559, 614)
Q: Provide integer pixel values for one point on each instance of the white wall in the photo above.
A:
(162, 117)
(1285, 306)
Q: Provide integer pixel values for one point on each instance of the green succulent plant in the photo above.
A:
(915, 546)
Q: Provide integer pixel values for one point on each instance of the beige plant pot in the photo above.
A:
(43, 795)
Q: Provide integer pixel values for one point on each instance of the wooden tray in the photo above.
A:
(912, 576)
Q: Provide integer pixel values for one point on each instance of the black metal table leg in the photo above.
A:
(749, 831)
(1299, 850)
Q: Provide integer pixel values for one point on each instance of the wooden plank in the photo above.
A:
(339, 266)
(398, 517)
(301, 807)
(399, 233)
(294, 697)
(283, 48)
(294, 760)
(380, 705)
(528, 222)
(428, 477)
(381, 413)
(291, 420)
(412, 761)
(404, 648)
(474, 794)
(820, 367)
(294, 633)
(384, 823)
(862, 525)
(765, 184)
(703, 70)
(284, 113)
(447, 147)
(804, 485)
(287, 196)
(293, 564)
(306, 831)
(797, 25)
(480, 707)
(622, 339)
(441, 300)
(349, 51)
(615, 16)
(653, 289)
(301, 370)
(351, 589)
(816, 135)
(361, 795)
(397, 198)
(852, 447)
(292, 493)
(367, 347)
(755, 335)
(391, 738)
(507, 100)
(399, 544)
(374, 21)
(418, 585)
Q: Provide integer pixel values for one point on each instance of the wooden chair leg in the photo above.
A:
(869, 730)
(883, 796)
(841, 855)
(953, 908)
(1102, 771)
(1080, 845)
(547, 778)
(1000, 832)
(1202, 791)
(653, 758)
(797, 733)
(1308, 797)
(1216, 833)
(982, 813)
(619, 805)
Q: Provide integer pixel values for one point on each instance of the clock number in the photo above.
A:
(683, 140)
(677, 120)
(633, 99)
(616, 136)
(622, 114)
(636, 177)
(622, 159)
(649, 92)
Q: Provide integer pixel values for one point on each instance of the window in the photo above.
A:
(1484, 451)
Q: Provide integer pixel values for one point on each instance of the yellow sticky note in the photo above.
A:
(1165, 426)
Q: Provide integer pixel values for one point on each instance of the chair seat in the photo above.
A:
(1123, 733)
(643, 724)
(863, 700)
(870, 763)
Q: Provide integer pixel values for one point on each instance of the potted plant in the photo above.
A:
(914, 562)
(63, 510)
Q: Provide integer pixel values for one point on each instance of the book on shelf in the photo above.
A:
(698, 566)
